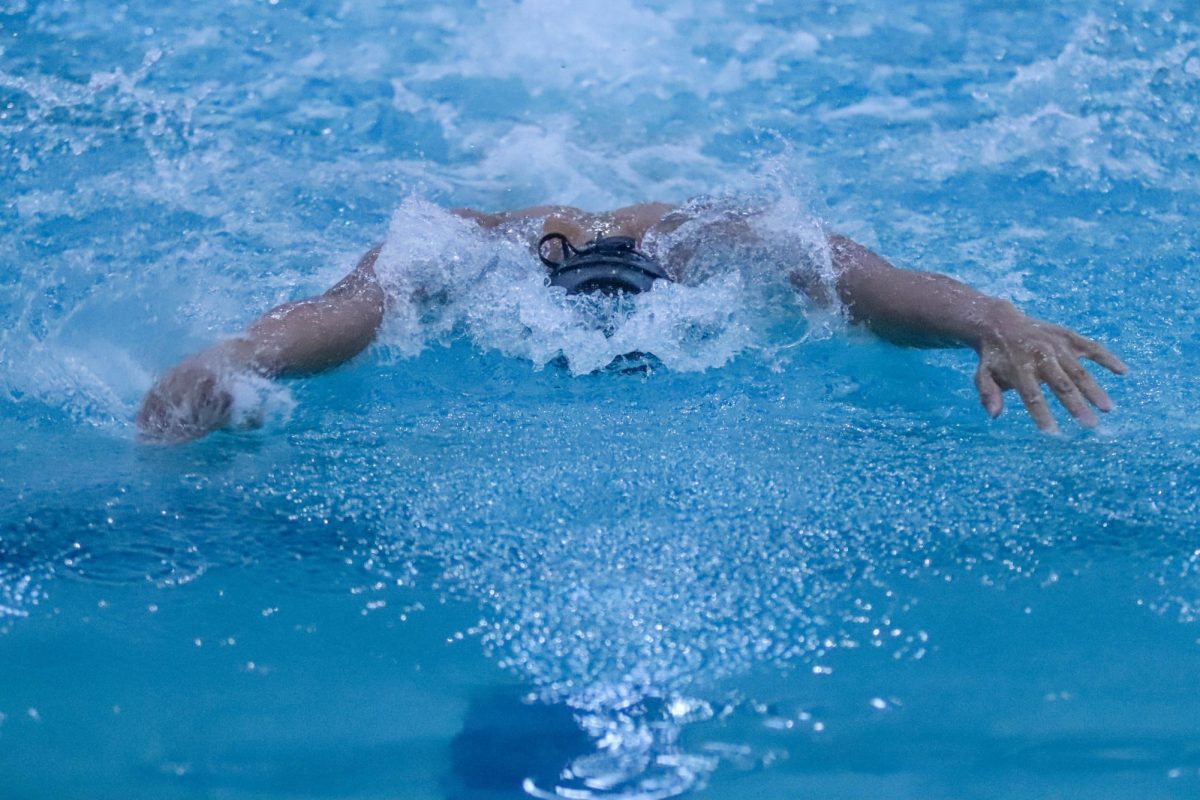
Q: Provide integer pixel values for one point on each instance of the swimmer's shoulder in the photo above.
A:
(637, 220)
(500, 219)
(576, 224)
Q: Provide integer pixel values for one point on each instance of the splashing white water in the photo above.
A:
(444, 276)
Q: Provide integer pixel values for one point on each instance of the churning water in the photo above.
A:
(779, 559)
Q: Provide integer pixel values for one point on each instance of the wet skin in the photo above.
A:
(920, 309)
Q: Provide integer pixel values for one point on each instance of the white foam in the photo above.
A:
(17, 593)
(896, 109)
(1094, 109)
(611, 42)
(258, 402)
(494, 290)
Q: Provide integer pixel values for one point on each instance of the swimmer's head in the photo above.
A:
(611, 265)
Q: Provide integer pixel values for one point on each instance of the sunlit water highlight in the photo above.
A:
(730, 570)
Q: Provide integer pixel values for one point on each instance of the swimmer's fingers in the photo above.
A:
(997, 372)
(1026, 353)
(1097, 352)
(990, 393)
(1030, 390)
(1055, 376)
(1085, 382)
(189, 402)
(152, 416)
(161, 421)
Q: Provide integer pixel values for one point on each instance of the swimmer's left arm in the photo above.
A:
(1015, 351)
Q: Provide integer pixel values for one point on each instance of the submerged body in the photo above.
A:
(920, 309)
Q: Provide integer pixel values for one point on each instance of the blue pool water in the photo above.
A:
(790, 561)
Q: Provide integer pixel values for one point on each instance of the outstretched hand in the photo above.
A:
(188, 402)
(1021, 353)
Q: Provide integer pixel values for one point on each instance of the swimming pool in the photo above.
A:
(791, 561)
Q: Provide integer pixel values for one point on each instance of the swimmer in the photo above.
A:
(1016, 352)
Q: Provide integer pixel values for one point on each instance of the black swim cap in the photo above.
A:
(610, 265)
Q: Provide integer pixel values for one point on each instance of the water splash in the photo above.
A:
(445, 277)
(178, 182)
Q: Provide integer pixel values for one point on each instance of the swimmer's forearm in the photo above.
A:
(311, 335)
(296, 338)
(918, 309)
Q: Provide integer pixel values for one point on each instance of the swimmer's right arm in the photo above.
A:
(297, 338)
(310, 335)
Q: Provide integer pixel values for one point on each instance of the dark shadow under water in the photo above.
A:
(506, 740)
